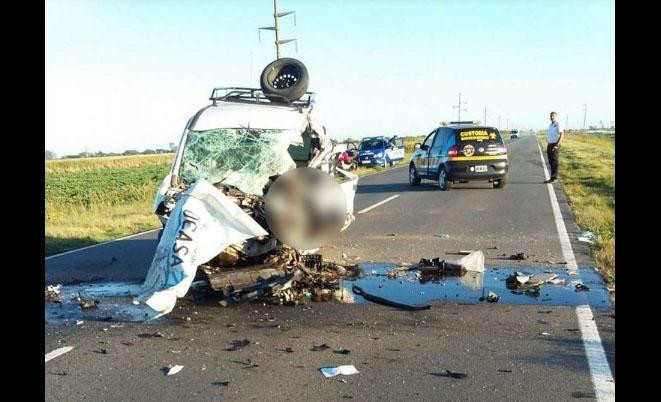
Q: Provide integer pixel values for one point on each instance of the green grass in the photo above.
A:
(587, 173)
(98, 199)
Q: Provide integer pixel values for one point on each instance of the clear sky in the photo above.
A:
(129, 74)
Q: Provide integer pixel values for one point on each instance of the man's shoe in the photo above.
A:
(551, 180)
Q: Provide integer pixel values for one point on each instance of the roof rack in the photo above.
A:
(256, 95)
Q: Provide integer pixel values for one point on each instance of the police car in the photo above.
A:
(379, 151)
(460, 151)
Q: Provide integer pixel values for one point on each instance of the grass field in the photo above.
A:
(587, 173)
(93, 200)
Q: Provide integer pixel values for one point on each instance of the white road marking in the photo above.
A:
(602, 378)
(58, 352)
(100, 244)
(362, 211)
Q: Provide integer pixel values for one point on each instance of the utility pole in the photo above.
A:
(585, 112)
(508, 124)
(567, 122)
(498, 122)
(485, 115)
(276, 28)
(459, 107)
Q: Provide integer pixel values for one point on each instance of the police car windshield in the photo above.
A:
(370, 145)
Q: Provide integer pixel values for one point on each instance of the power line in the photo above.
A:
(458, 106)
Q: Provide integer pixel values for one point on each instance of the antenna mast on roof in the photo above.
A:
(276, 28)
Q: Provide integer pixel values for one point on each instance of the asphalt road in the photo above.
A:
(400, 355)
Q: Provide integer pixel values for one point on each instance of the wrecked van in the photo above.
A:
(212, 202)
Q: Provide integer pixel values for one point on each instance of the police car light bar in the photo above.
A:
(464, 122)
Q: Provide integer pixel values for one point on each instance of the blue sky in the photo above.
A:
(128, 74)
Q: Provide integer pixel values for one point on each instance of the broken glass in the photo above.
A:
(241, 157)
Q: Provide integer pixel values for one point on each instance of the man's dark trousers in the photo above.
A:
(553, 159)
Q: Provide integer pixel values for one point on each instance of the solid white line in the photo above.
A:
(100, 244)
(362, 211)
(58, 352)
(602, 378)
(565, 244)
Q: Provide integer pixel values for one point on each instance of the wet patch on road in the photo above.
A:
(414, 288)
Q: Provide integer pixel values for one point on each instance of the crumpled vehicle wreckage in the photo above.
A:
(214, 204)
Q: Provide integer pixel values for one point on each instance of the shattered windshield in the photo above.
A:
(240, 157)
(369, 145)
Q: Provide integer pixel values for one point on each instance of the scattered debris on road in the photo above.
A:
(587, 237)
(152, 335)
(518, 257)
(473, 262)
(379, 300)
(172, 370)
(221, 383)
(238, 345)
(86, 305)
(442, 235)
(450, 374)
(581, 287)
(320, 348)
(492, 297)
(53, 293)
(339, 370)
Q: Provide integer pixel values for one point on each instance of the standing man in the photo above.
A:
(554, 139)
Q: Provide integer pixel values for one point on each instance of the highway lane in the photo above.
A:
(397, 352)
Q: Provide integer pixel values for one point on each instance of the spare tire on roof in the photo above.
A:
(284, 80)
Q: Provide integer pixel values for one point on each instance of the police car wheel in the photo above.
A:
(414, 180)
(499, 183)
(443, 181)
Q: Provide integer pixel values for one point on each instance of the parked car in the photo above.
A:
(514, 133)
(379, 151)
(460, 152)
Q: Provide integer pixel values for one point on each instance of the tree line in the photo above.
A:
(173, 148)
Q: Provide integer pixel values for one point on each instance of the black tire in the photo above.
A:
(414, 179)
(443, 181)
(391, 163)
(284, 80)
(500, 183)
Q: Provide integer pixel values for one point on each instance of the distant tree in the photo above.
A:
(148, 152)
(173, 146)
(50, 155)
(130, 152)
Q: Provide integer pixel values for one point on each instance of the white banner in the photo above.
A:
(203, 223)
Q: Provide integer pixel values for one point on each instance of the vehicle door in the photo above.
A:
(422, 154)
(436, 150)
(395, 150)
